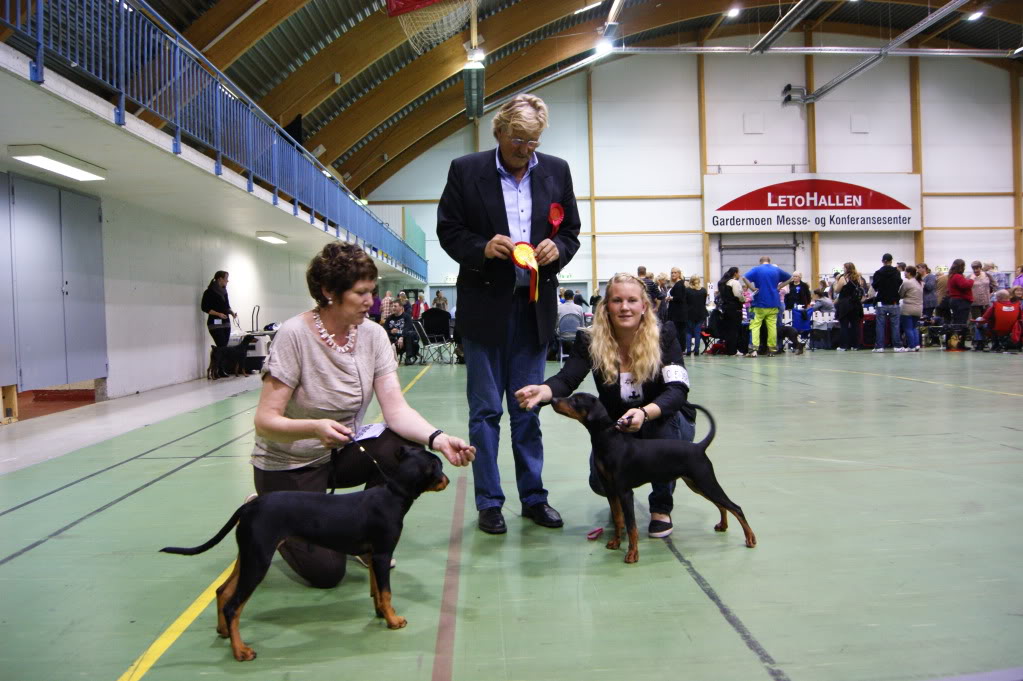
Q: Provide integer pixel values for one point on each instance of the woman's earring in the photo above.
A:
(330, 301)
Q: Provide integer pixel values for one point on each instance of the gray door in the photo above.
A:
(85, 326)
(38, 284)
(748, 257)
(8, 355)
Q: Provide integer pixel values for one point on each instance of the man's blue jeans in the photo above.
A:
(661, 501)
(495, 372)
(885, 316)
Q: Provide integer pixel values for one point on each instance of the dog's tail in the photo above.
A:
(193, 550)
(710, 436)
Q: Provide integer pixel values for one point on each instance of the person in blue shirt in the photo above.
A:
(766, 279)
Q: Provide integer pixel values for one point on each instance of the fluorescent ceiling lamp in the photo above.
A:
(975, 16)
(476, 54)
(734, 12)
(272, 238)
(588, 7)
(604, 46)
(56, 162)
(1018, 50)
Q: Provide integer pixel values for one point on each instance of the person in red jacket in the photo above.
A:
(960, 292)
(1000, 317)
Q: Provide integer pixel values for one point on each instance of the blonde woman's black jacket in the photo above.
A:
(670, 397)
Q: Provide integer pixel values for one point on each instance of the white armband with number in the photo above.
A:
(675, 373)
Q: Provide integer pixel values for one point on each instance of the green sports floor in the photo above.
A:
(886, 493)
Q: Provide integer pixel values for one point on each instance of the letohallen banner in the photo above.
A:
(811, 203)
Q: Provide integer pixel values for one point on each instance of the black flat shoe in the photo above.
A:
(492, 521)
(542, 514)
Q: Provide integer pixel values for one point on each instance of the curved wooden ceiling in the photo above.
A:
(376, 105)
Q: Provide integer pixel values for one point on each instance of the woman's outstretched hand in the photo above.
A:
(532, 395)
(456, 450)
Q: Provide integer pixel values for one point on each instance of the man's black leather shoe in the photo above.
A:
(491, 521)
(543, 514)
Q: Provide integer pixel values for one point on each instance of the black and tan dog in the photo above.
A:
(624, 463)
(229, 359)
(369, 521)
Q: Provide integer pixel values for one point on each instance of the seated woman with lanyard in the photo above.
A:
(640, 374)
(323, 370)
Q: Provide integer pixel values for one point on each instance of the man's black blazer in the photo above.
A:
(472, 211)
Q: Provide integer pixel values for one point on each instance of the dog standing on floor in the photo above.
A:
(229, 359)
(624, 463)
(369, 521)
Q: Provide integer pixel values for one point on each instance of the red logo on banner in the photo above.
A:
(814, 195)
(396, 7)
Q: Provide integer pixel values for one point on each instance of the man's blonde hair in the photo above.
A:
(527, 113)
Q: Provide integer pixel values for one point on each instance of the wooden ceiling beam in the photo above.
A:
(212, 23)
(252, 28)
(431, 69)
(418, 131)
(452, 126)
(348, 56)
(516, 67)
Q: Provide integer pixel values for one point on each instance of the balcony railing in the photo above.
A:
(125, 47)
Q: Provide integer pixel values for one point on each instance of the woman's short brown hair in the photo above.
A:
(336, 268)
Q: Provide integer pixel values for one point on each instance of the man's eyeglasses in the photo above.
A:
(532, 144)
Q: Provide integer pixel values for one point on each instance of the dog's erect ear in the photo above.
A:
(595, 411)
(402, 453)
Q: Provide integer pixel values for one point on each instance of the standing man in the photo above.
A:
(386, 307)
(765, 280)
(887, 282)
(492, 201)
(652, 289)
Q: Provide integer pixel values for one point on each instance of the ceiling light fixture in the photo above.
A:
(603, 47)
(1018, 50)
(272, 238)
(588, 7)
(734, 12)
(975, 16)
(56, 162)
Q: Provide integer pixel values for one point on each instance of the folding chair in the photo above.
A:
(568, 325)
(433, 349)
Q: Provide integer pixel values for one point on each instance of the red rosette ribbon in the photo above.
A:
(524, 256)
(555, 216)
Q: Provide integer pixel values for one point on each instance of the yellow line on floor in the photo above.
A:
(918, 380)
(165, 640)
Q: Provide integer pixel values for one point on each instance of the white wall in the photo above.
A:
(156, 269)
(646, 143)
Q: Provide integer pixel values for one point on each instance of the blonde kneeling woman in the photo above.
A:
(640, 374)
(324, 367)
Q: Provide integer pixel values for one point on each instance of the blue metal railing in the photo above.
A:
(127, 47)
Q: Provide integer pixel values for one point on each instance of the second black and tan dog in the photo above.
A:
(363, 522)
(624, 463)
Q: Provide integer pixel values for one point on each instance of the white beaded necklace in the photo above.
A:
(328, 338)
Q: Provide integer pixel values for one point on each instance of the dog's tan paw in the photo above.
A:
(721, 527)
(614, 544)
(397, 623)
(632, 556)
(244, 654)
(751, 540)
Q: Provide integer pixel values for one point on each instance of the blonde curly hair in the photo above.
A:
(646, 346)
(527, 113)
